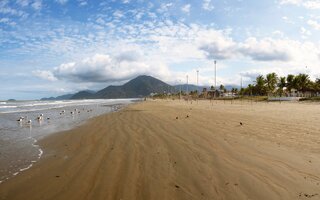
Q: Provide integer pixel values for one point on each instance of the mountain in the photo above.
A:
(190, 87)
(62, 97)
(200, 88)
(141, 86)
(86, 94)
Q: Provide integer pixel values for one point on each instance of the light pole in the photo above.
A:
(215, 74)
(197, 84)
(187, 87)
(180, 90)
(215, 78)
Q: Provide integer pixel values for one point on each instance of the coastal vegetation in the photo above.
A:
(270, 85)
(291, 85)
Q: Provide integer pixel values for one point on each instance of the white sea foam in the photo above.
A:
(32, 162)
(29, 106)
(26, 168)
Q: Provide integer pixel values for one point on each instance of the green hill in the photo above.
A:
(139, 87)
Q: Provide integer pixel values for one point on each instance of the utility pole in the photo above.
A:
(197, 85)
(215, 74)
(197, 81)
(180, 90)
(215, 78)
(187, 87)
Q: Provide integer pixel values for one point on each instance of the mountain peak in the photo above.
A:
(140, 86)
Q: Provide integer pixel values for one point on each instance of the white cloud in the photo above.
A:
(23, 3)
(37, 4)
(164, 7)
(7, 21)
(267, 49)
(309, 4)
(11, 11)
(315, 4)
(105, 68)
(314, 24)
(118, 14)
(304, 33)
(82, 2)
(186, 8)
(62, 2)
(4, 20)
(46, 75)
(294, 2)
(206, 5)
(216, 44)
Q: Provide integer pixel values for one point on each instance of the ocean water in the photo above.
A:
(18, 139)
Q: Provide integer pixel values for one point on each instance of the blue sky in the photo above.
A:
(50, 48)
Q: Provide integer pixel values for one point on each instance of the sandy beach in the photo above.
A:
(178, 150)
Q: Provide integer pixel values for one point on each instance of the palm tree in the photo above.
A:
(260, 85)
(249, 90)
(221, 87)
(303, 82)
(290, 82)
(317, 85)
(236, 90)
(282, 83)
(271, 81)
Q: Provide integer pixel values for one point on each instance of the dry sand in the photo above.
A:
(144, 152)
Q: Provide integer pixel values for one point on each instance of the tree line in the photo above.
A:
(272, 84)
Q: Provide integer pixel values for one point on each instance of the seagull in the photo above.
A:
(19, 120)
(29, 121)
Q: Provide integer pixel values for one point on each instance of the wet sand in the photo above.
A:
(177, 150)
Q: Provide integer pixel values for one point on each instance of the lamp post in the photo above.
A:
(180, 90)
(197, 81)
(187, 87)
(215, 74)
(215, 78)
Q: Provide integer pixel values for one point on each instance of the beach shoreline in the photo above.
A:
(177, 150)
(18, 139)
